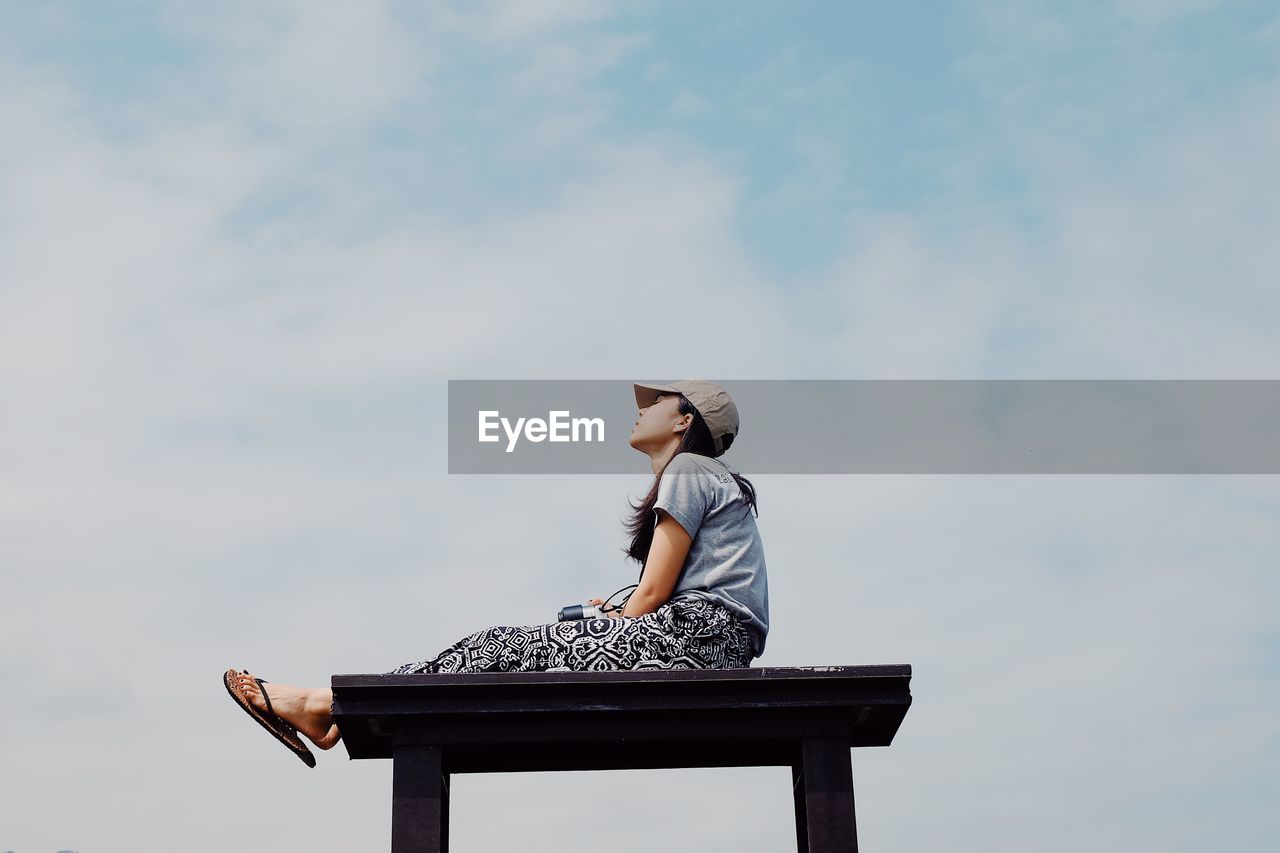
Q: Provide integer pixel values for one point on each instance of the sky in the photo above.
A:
(243, 247)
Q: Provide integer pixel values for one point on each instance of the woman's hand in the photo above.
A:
(612, 614)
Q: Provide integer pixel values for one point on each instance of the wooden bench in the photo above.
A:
(807, 718)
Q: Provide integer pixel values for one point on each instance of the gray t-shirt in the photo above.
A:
(726, 558)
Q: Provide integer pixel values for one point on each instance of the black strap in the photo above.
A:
(266, 698)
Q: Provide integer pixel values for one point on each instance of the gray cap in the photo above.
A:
(712, 402)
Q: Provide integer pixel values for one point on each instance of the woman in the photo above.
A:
(702, 600)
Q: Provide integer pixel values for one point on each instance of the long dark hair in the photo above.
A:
(696, 439)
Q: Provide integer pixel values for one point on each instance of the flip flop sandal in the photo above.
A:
(279, 729)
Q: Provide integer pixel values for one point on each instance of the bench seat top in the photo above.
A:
(521, 721)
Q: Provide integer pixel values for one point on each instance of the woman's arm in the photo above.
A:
(667, 554)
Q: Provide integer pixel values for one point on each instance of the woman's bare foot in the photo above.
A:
(306, 709)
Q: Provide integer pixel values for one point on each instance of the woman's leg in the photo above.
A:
(579, 644)
(309, 710)
(687, 632)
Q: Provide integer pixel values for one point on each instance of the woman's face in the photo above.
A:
(656, 424)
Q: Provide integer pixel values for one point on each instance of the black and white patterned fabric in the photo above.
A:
(687, 632)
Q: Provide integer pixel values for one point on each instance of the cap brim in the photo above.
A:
(646, 394)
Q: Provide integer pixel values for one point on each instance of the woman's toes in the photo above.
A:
(252, 691)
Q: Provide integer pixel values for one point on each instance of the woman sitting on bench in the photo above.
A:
(702, 600)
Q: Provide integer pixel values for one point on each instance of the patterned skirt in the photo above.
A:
(688, 632)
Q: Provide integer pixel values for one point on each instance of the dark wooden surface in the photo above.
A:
(506, 722)
(433, 726)
(419, 800)
(825, 797)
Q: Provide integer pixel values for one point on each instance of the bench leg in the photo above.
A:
(797, 794)
(419, 801)
(822, 786)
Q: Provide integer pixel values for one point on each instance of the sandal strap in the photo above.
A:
(270, 710)
(265, 697)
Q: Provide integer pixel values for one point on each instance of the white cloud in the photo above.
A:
(305, 66)
(527, 19)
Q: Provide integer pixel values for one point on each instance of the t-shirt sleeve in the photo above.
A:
(683, 492)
